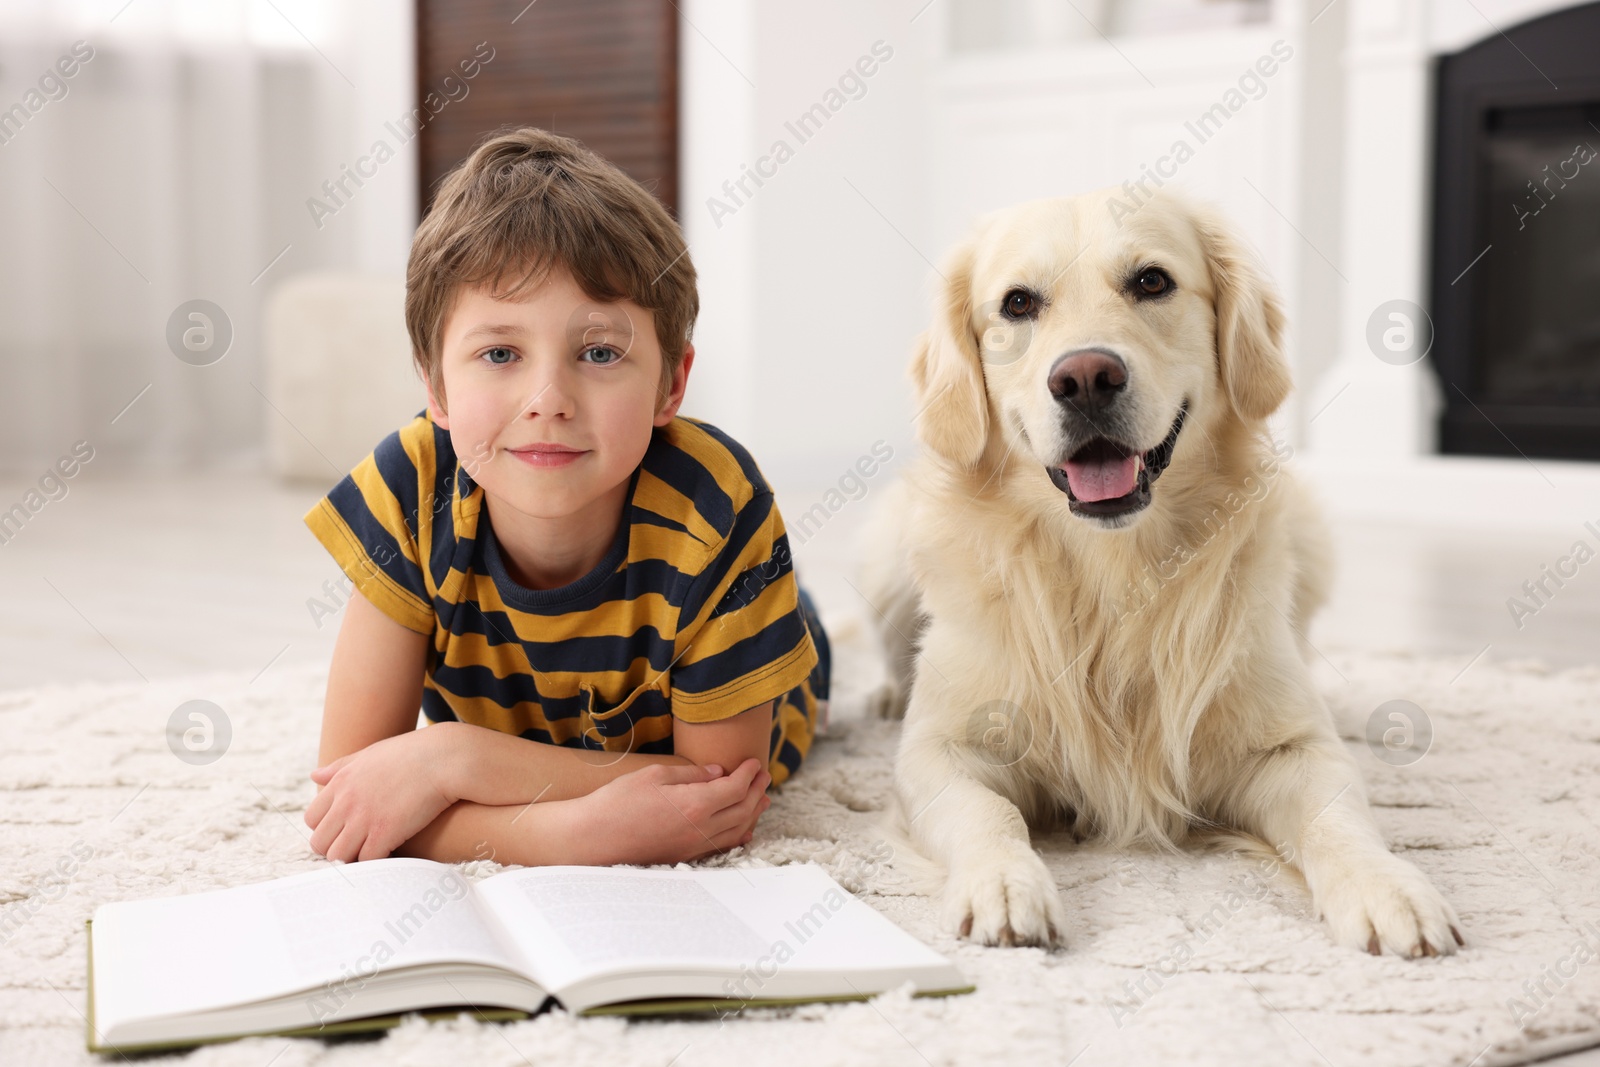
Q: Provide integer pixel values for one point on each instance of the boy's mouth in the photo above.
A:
(541, 446)
(547, 454)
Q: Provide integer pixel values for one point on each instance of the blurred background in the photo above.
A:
(205, 211)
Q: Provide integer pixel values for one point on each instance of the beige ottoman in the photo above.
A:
(339, 376)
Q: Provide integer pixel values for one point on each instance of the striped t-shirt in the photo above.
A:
(695, 611)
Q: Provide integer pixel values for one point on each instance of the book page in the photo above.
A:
(601, 918)
(573, 923)
(386, 918)
(324, 932)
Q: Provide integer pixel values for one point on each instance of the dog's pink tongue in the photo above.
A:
(1102, 479)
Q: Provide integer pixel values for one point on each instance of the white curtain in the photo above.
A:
(174, 164)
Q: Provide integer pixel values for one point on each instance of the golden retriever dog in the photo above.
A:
(1095, 579)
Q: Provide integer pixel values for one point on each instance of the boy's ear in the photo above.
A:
(441, 418)
(673, 399)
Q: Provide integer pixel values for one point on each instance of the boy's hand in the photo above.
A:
(670, 813)
(374, 800)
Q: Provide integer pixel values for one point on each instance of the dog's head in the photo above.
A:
(1088, 337)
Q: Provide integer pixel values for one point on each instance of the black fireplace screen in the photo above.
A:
(1516, 248)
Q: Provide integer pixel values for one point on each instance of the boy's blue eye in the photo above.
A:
(604, 351)
(490, 353)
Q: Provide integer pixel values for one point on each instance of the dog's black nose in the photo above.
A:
(1089, 378)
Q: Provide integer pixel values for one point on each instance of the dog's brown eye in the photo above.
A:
(1019, 303)
(1153, 282)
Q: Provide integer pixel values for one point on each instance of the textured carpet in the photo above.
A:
(1501, 813)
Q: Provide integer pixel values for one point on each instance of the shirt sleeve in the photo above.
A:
(745, 640)
(368, 524)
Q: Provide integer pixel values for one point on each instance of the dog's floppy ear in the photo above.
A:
(952, 406)
(1250, 323)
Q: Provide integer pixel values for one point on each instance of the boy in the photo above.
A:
(591, 596)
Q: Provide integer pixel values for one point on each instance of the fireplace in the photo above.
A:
(1515, 271)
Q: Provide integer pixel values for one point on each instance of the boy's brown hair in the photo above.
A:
(527, 200)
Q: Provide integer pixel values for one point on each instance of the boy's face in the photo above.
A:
(553, 368)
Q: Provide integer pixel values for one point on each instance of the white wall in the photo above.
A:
(813, 288)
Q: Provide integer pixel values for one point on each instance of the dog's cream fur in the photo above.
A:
(1141, 679)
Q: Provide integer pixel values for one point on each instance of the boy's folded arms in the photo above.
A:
(376, 800)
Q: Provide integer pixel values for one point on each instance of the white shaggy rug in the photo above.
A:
(1501, 813)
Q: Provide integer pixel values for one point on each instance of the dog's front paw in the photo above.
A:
(1384, 904)
(1005, 896)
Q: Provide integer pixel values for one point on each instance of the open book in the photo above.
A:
(348, 947)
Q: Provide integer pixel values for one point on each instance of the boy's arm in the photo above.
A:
(494, 768)
(374, 681)
(532, 835)
(661, 814)
(727, 742)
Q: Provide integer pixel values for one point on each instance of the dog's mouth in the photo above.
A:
(1108, 479)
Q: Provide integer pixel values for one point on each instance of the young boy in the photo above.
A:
(591, 596)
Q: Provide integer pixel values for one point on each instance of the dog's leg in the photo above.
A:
(998, 891)
(1307, 800)
(900, 627)
(894, 603)
(1311, 548)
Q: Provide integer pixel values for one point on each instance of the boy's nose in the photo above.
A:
(550, 397)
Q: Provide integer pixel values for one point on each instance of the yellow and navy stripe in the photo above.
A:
(694, 612)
